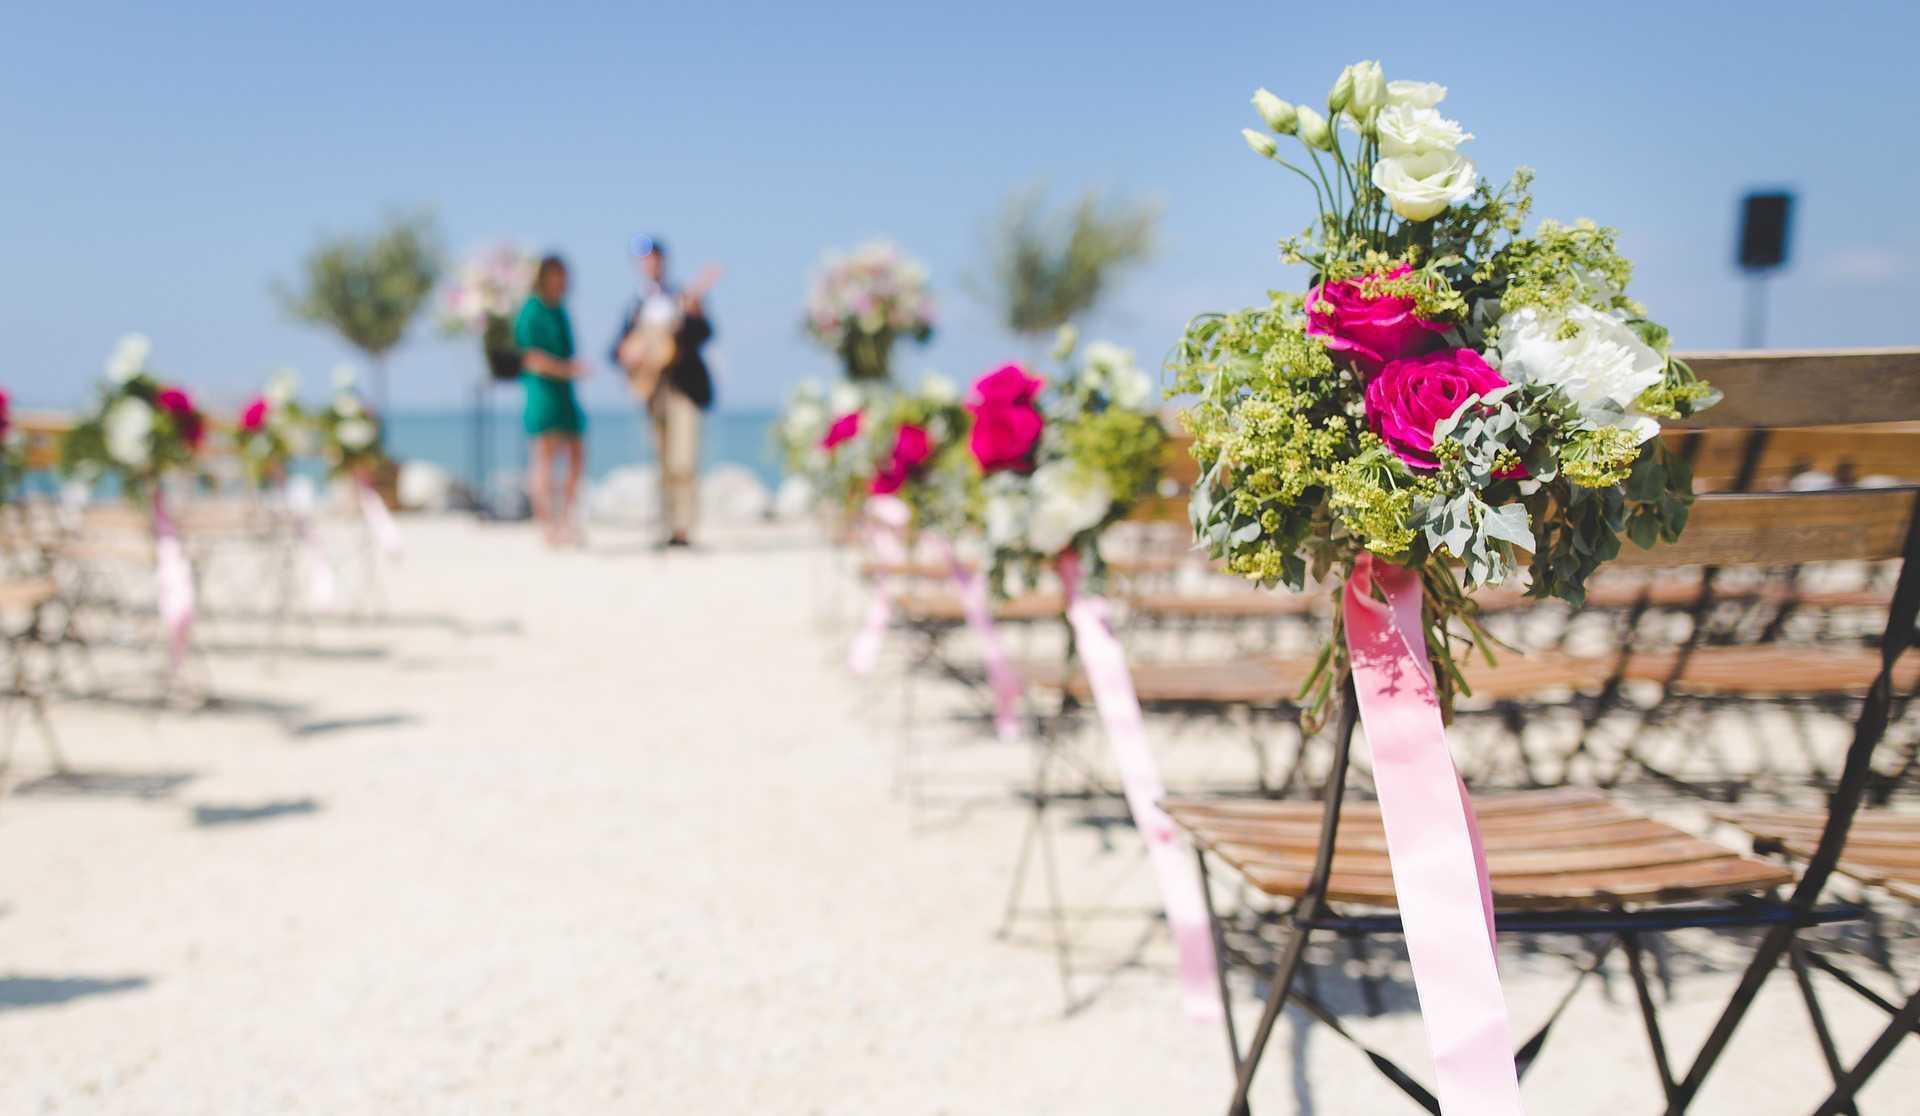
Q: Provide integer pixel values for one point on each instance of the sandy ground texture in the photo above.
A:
(614, 832)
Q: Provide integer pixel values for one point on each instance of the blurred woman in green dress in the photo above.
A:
(553, 417)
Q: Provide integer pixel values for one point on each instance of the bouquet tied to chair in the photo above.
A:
(1447, 394)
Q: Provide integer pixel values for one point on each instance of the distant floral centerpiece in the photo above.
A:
(139, 428)
(1061, 462)
(858, 305)
(272, 428)
(350, 434)
(487, 290)
(1447, 394)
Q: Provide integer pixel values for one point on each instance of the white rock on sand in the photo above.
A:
(613, 833)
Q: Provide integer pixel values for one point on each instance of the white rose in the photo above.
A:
(129, 357)
(1420, 186)
(937, 389)
(1066, 501)
(1418, 94)
(344, 377)
(129, 427)
(1602, 368)
(347, 404)
(1405, 130)
(355, 433)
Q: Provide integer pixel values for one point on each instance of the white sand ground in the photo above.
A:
(610, 833)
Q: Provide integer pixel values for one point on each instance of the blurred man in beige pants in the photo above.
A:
(685, 388)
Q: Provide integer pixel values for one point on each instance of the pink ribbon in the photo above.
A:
(379, 519)
(1119, 709)
(885, 519)
(320, 579)
(173, 583)
(1433, 843)
(1001, 676)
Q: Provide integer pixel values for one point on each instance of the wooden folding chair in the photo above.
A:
(1574, 860)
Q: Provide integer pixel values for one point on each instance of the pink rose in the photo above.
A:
(911, 448)
(255, 416)
(1005, 422)
(6, 412)
(175, 401)
(1411, 396)
(178, 404)
(843, 429)
(1370, 331)
(1007, 385)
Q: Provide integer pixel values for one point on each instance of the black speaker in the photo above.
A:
(1763, 230)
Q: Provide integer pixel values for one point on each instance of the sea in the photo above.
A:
(496, 447)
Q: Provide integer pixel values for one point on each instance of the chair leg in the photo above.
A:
(1630, 941)
(1796, 957)
(1841, 1100)
(1278, 992)
(1765, 959)
(1220, 960)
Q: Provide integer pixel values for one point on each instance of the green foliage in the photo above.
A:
(1045, 268)
(368, 289)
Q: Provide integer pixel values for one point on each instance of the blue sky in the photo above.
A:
(163, 164)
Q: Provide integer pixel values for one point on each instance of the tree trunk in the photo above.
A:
(379, 363)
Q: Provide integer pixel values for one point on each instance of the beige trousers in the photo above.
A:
(676, 438)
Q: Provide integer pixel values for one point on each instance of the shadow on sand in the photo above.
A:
(30, 992)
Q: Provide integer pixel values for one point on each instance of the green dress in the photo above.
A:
(551, 405)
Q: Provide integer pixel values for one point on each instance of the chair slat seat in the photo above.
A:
(1238, 605)
(1546, 850)
(1772, 669)
(28, 592)
(1255, 681)
(918, 569)
(105, 549)
(1882, 849)
(948, 607)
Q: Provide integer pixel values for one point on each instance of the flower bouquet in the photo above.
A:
(487, 290)
(272, 428)
(139, 429)
(860, 304)
(818, 436)
(1446, 395)
(1062, 463)
(13, 452)
(350, 434)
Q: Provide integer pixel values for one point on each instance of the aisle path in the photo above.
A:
(619, 847)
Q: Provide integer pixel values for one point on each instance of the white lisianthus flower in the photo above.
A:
(344, 377)
(938, 389)
(1369, 90)
(1314, 131)
(1067, 500)
(129, 430)
(1120, 379)
(129, 357)
(281, 388)
(1405, 130)
(1417, 94)
(1420, 186)
(1602, 368)
(1001, 518)
(1262, 145)
(1278, 114)
(355, 433)
(805, 419)
(844, 399)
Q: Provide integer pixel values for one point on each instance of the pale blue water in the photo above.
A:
(614, 438)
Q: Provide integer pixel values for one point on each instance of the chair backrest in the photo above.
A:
(1767, 394)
